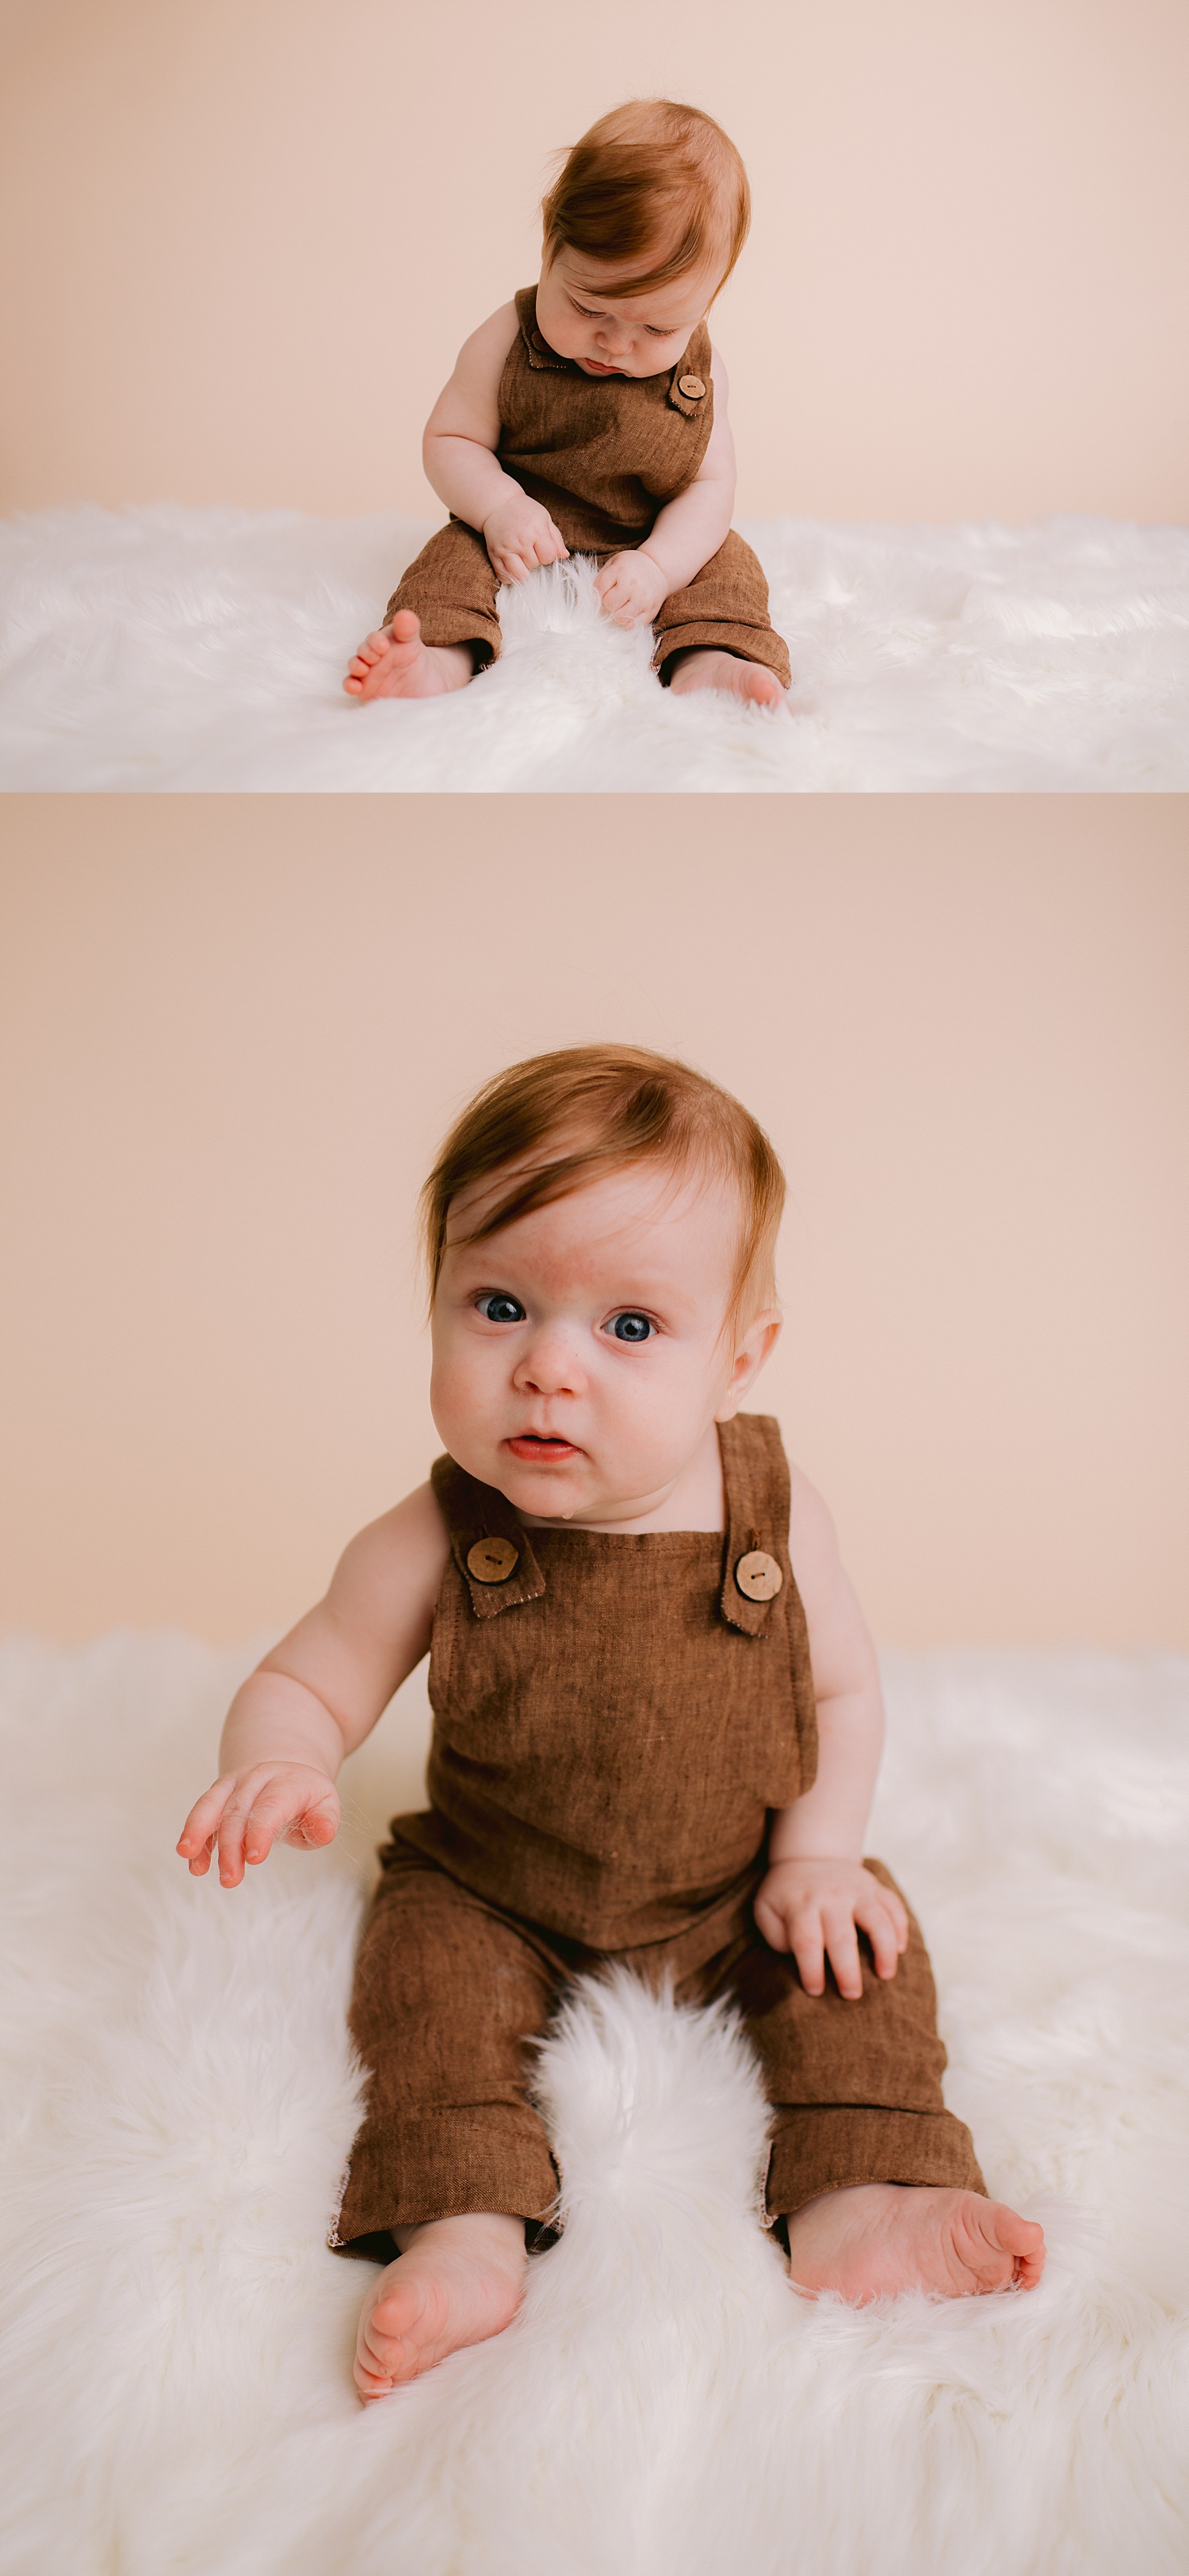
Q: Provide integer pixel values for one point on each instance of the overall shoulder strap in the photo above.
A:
(691, 392)
(537, 348)
(489, 1546)
(756, 1480)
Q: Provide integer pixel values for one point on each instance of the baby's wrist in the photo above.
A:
(815, 1860)
(659, 568)
(508, 491)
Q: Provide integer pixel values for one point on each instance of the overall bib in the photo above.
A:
(614, 1719)
(603, 454)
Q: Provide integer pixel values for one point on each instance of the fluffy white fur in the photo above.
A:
(180, 2099)
(203, 649)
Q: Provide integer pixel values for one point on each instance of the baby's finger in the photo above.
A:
(231, 1845)
(196, 1840)
(808, 1950)
(876, 1920)
(843, 1949)
(563, 550)
(278, 1811)
(771, 1925)
(200, 1862)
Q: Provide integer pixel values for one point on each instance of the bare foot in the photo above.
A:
(394, 663)
(708, 668)
(883, 2237)
(458, 2281)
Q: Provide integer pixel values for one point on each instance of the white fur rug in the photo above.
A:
(171, 648)
(179, 2101)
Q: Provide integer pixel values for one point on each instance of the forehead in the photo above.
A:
(645, 1211)
(684, 300)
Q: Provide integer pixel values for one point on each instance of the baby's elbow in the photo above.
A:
(719, 491)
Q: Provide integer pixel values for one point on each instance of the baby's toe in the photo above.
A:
(997, 2246)
(370, 2386)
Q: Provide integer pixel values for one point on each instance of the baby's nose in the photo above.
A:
(550, 1365)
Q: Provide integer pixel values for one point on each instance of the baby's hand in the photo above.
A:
(519, 534)
(631, 587)
(811, 1907)
(248, 1811)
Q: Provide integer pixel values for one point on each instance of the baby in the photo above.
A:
(657, 1724)
(590, 414)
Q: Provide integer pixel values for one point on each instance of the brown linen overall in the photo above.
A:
(603, 454)
(614, 1718)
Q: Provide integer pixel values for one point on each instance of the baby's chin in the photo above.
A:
(541, 1492)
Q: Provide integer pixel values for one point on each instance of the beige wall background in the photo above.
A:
(233, 1030)
(242, 240)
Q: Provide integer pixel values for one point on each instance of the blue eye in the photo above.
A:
(501, 1309)
(632, 1328)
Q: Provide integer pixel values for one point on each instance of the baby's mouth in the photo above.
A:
(540, 1447)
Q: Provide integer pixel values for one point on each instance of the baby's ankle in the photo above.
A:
(484, 2233)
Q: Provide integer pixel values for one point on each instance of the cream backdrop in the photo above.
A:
(235, 1028)
(244, 238)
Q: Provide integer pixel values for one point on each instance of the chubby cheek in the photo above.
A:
(646, 1415)
(467, 1383)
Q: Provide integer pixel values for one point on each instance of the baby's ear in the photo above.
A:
(755, 1342)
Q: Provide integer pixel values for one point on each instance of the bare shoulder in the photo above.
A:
(840, 1646)
(489, 345)
(375, 1620)
(393, 1569)
(468, 406)
(718, 463)
(813, 1539)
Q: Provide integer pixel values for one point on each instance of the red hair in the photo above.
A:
(655, 185)
(601, 1109)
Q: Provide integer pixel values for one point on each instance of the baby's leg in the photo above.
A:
(717, 634)
(877, 2181)
(440, 625)
(451, 2158)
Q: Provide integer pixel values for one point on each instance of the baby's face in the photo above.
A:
(579, 1356)
(582, 318)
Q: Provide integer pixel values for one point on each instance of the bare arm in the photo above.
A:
(319, 1693)
(831, 1819)
(817, 1890)
(692, 528)
(687, 532)
(461, 437)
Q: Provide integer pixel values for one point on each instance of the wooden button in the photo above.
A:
(758, 1575)
(492, 1560)
(693, 389)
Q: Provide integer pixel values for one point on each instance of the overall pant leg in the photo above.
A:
(855, 2087)
(452, 585)
(725, 604)
(448, 1998)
